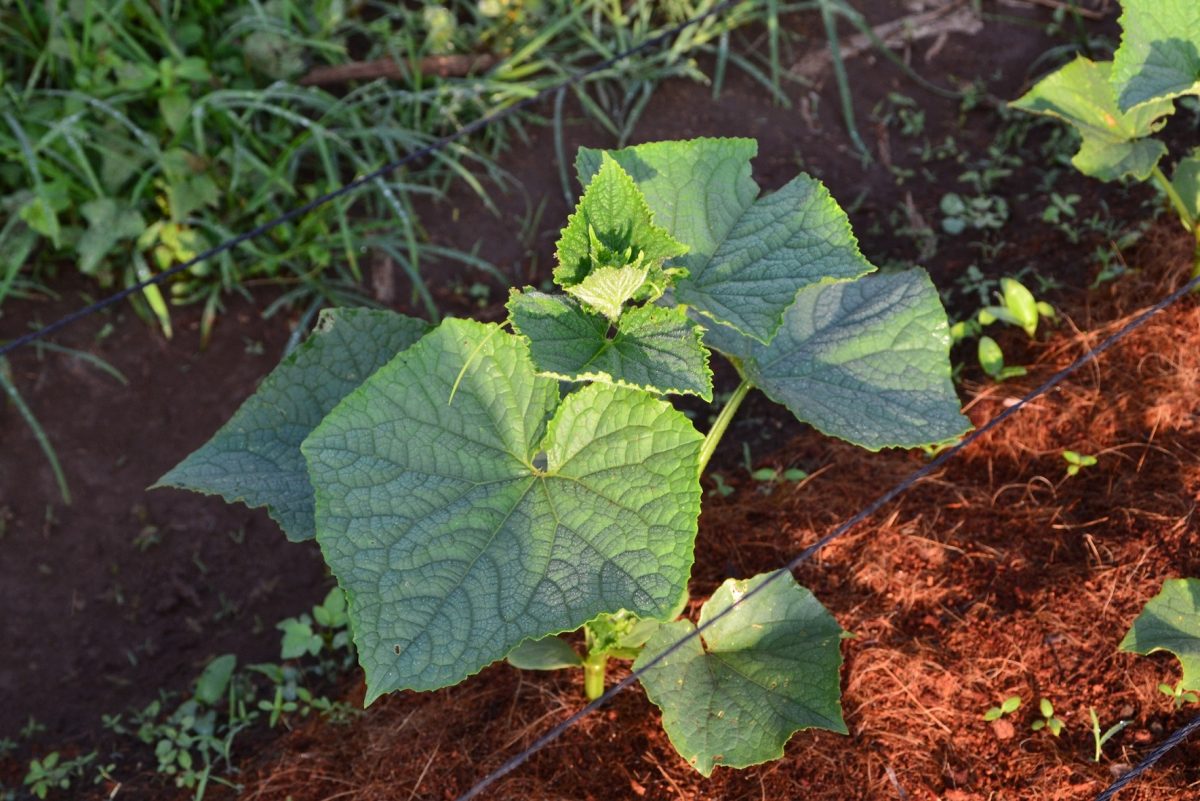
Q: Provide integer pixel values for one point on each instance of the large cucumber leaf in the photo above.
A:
(612, 227)
(866, 361)
(461, 527)
(653, 348)
(255, 457)
(747, 255)
(1113, 140)
(765, 670)
(1171, 622)
(1159, 56)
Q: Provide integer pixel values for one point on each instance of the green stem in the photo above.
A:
(1185, 216)
(722, 422)
(593, 675)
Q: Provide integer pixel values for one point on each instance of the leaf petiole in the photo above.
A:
(722, 422)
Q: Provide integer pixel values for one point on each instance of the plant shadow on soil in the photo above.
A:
(993, 577)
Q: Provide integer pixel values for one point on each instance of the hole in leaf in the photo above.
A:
(396, 648)
(540, 461)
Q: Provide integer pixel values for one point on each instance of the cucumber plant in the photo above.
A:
(480, 489)
(1117, 106)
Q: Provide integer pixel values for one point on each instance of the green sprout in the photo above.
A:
(1048, 720)
(1077, 461)
(1007, 707)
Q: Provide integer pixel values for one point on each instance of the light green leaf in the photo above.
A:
(548, 653)
(1186, 180)
(1113, 140)
(608, 289)
(867, 361)
(211, 686)
(653, 348)
(108, 223)
(612, 227)
(1159, 56)
(298, 638)
(1171, 622)
(747, 257)
(764, 671)
(255, 457)
(459, 529)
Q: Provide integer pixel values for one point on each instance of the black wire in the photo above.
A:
(1158, 753)
(871, 508)
(346, 189)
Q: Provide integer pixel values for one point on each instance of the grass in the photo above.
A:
(134, 135)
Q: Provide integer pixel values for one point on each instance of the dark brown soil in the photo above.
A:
(994, 577)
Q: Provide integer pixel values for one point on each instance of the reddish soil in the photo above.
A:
(996, 576)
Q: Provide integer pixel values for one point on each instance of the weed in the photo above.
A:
(1099, 739)
(1048, 720)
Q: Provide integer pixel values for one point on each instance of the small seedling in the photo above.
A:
(1100, 739)
(1077, 461)
(1178, 695)
(1048, 720)
(721, 488)
(1007, 707)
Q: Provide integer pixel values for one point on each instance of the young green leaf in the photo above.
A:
(747, 257)
(459, 528)
(991, 357)
(211, 686)
(1171, 622)
(1159, 56)
(654, 348)
(1021, 304)
(764, 671)
(866, 361)
(608, 289)
(612, 227)
(255, 457)
(1114, 143)
(547, 653)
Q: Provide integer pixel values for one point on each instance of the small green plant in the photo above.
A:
(1048, 719)
(1117, 106)
(1009, 705)
(1099, 739)
(1077, 461)
(1014, 305)
(979, 213)
(479, 489)
(52, 772)
(1178, 695)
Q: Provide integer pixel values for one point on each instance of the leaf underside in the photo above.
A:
(1113, 143)
(459, 529)
(1159, 55)
(255, 457)
(747, 255)
(654, 348)
(866, 361)
(764, 671)
(1171, 622)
